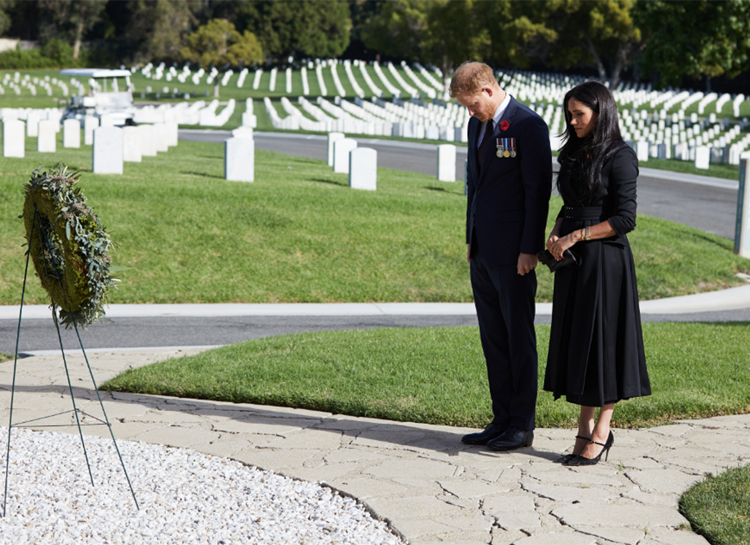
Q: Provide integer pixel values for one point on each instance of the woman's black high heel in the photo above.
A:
(579, 460)
(565, 458)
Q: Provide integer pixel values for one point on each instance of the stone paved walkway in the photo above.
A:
(419, 477)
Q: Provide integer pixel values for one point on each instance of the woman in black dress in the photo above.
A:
(596, 355)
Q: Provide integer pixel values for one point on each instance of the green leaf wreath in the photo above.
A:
(68, 246)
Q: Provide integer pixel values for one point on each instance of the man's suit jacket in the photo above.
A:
(508, 201)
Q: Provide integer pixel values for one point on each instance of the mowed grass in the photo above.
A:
(300, 234)
(719, 507)
(438, 375)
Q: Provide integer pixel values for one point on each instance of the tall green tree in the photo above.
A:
(304, 28)
(218, 43)
(72, 19)
(697, 39)
(160, 27)
(518, 32)
(443, 33)
(601, 32)
(6, 6)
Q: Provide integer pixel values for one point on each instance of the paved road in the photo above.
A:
(171, 331)
(711, 208)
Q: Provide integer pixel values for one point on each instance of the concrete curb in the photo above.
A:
(729, 299)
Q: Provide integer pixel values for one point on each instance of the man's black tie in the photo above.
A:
(485, 144)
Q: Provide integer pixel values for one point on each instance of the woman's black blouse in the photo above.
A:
(616, 196)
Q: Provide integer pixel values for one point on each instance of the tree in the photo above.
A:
(603, 32)
(6, 6)
(218, 43)
(305, 28)
(440, 32)
(160, 27)
(518, 32)
(72, 18)
(696, 39)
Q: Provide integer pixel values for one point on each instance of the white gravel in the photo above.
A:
(184, 496)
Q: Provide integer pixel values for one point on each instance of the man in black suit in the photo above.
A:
(509, 185)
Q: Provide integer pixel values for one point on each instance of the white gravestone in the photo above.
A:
(239, 160)
(332, 137)
(71, 133)
(341, 149)
(14, 138)
(107, 150)
(89, 124)
(702, 157)
(55, 115)
(641, 150)
(32, 123)
(107, 121)
(446, 163)
(47, 140)
(363, 169)
(148, 149)
(161, 137)
(174, 133)
(249, 120)
(742, 226)
(243, 132)
(131, 145)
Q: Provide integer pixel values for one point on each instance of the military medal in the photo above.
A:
(506, 147)
(512, 147)
(500, 148)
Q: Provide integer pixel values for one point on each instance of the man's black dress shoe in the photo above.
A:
(512, 439)
(490, 432)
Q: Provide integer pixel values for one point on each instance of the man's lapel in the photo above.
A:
(498, 132)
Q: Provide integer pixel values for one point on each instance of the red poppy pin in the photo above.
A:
(504, 125)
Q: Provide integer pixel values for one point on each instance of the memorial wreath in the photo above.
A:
(68, 245)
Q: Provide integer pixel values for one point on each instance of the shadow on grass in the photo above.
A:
(332, 182)
(202, 174)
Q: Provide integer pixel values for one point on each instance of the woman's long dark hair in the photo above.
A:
(593, 150)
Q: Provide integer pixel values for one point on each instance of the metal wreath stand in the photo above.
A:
(76, 411)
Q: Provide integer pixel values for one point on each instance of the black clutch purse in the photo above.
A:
(569, 260)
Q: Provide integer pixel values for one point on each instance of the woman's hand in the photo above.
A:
(557, 245)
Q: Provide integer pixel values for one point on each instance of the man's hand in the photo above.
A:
(526, 263)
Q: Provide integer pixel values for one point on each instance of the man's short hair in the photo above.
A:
(470, 77)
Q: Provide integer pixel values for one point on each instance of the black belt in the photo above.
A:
(582, 212)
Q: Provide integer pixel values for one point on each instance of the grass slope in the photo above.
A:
(299, 234)
(438, 375)
(719, 507)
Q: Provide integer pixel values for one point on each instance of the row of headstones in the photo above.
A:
(702, 156)
(361, 164)
(530, 86)
(552, 87)
(430, 88)
(342, 118)
(114, 146)
(111, 145)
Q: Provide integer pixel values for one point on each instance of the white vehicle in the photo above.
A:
(105, 99)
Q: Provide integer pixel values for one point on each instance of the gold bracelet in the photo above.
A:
(582, 234)
(588, 234)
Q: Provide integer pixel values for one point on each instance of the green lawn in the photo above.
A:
(719, 507)
(438, 375)
(299, 234)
